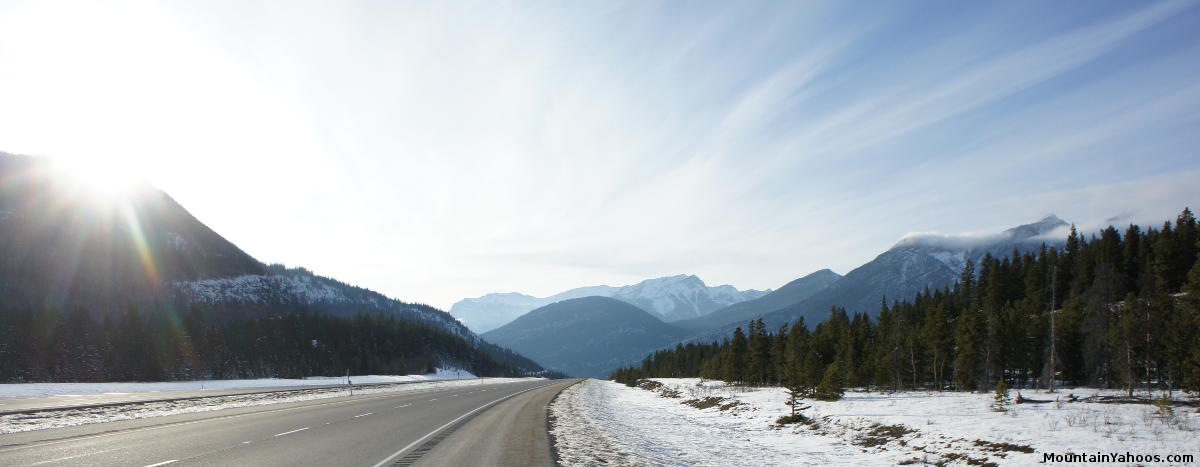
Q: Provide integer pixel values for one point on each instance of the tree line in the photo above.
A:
(1111, 310)
(48, 345)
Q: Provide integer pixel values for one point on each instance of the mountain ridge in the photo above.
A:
(670, 298)
(587, 336)
(914, 264)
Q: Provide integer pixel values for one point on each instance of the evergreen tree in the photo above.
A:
(1001, 400)
(735, 365)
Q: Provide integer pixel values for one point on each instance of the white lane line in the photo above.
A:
(290, 432)
(172, 461)
(246, 442)
(401, 406)
(60, 459)
(456, 395)
(435, 431)
(363, 415)
(431, 400)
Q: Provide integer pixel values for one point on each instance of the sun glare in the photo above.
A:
(103, 176)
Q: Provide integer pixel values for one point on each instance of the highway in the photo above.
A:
(487, 424)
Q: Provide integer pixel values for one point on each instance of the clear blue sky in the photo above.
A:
(440, 150)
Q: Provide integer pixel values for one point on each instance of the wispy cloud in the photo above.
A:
(454, 149)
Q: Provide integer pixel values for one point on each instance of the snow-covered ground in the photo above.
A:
(67, 389)
(599, 422)
(58, 419)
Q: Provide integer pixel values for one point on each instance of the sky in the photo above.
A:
(435, 151)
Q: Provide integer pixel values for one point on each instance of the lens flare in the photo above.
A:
(139, 241)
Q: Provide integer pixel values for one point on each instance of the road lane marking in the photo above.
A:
(172, 461)
(452, 422)
(363, 415)
(431, 400)
(52, 461)
(290, 432)
(401, 406)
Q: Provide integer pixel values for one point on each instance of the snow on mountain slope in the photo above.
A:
(281, 287)
(680, 297)
(255, 288)
(669, 298)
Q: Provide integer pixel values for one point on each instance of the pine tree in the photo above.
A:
(832, 384)
(758, 354)
(1001, 400)
(735, 366)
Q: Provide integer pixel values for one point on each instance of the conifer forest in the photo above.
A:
(1117, 309)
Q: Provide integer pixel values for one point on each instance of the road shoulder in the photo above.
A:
(513, 433)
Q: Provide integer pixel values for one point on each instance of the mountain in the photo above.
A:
(587, 336)
(791, 293)
(71, 251)
(916, 263)
(669, 298)
(681, 297)
(491, 311)
(67, 246)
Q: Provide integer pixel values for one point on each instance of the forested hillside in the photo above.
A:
(49, 345)
(1107, 310)
(127, 285)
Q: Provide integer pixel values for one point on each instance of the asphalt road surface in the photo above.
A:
(487, 424)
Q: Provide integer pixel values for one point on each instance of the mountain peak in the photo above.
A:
(1046, 225)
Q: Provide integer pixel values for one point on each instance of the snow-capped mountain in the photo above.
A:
(790, 293)
(669, 298)
(680, 297)
(915, 263)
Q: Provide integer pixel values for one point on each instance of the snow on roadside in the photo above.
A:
(601, 422)
(68, 389)
(655, 427)
(58, 419)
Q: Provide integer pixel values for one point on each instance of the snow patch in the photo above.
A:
(599, 422)
(66, 389)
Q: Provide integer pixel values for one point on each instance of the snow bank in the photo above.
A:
(617, 424)
(601, 422)
(70, 389)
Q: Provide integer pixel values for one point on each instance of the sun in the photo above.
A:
(103, 176)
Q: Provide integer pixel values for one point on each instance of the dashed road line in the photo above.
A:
(290, 432)
(172, 461)
(60, 459)
(363, 415)
(402, 406)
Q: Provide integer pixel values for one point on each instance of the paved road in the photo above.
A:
(512, 433)
(358, 430)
